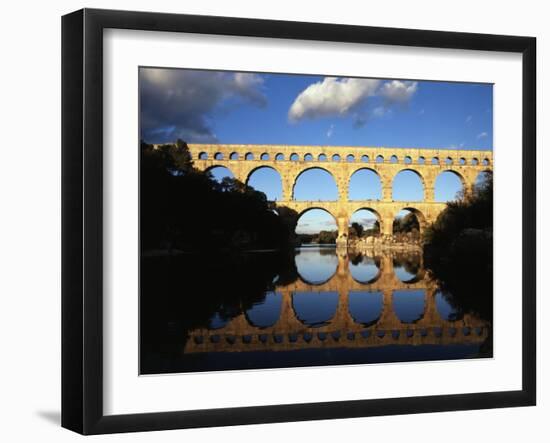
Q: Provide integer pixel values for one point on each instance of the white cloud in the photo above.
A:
(330, 131)
(468, 119)
(342, 97)
(396, 91)
(331, 96)
(482, 135)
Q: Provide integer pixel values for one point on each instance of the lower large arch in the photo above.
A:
(218, 172)
(267, 180)
(315, 219)
(365, 222)
(403, 224)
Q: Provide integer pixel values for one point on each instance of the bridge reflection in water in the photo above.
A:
(365, 301)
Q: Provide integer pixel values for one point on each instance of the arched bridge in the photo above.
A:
(342, 162)
(343, 330)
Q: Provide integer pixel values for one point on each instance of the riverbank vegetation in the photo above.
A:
(322, 238)
(458, 249)
(406, 229)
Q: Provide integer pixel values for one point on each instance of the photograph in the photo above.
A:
(296, 220)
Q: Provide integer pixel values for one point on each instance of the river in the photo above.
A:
(314, 306)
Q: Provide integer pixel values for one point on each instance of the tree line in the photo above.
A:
(184, 209)
(458, 249)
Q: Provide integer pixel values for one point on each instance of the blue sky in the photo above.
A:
(256, 108)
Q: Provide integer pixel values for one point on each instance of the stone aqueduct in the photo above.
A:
(342, 330)
(342, 162)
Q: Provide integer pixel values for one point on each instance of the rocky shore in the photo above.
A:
(385, 243)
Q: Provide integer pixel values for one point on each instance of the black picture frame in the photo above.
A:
(82, 220)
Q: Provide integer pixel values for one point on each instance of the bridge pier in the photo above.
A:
(429, 193)
(386, 224)
(343, 231)
(288, 187)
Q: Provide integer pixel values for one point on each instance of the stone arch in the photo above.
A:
(422, 221)
(234, 156)
(203, 155)
(220, 168)
(324, 220)
(409, 305)
(303, 171)
(278, 193)
(350, 158)
(435, 160)
(448, 161)
(407, 160)
(322, 307)
(417, 174)
(279, 157)
(379, 159)
(249, 156)
(308, 157)
(322, 158)
(264, 156)
(365, 307)
(379, 185)
(266, 314)
(408, 267)
(368, 208)
(336, 158)
(218, 156)
(394, 159)
(437, 188)
(421, 160)
(365, 158)
(486, 162)
(294, 157)
(378, 218)
(475, 161)
(462, 161)
(317, 208)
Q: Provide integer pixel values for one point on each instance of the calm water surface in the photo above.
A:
(314, 306)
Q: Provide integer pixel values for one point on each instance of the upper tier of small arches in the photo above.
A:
(476, 160)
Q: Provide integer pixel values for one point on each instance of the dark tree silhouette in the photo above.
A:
(186, 209)
(356, 230)
(458, 250)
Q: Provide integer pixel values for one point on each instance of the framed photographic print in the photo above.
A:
(270, 221)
